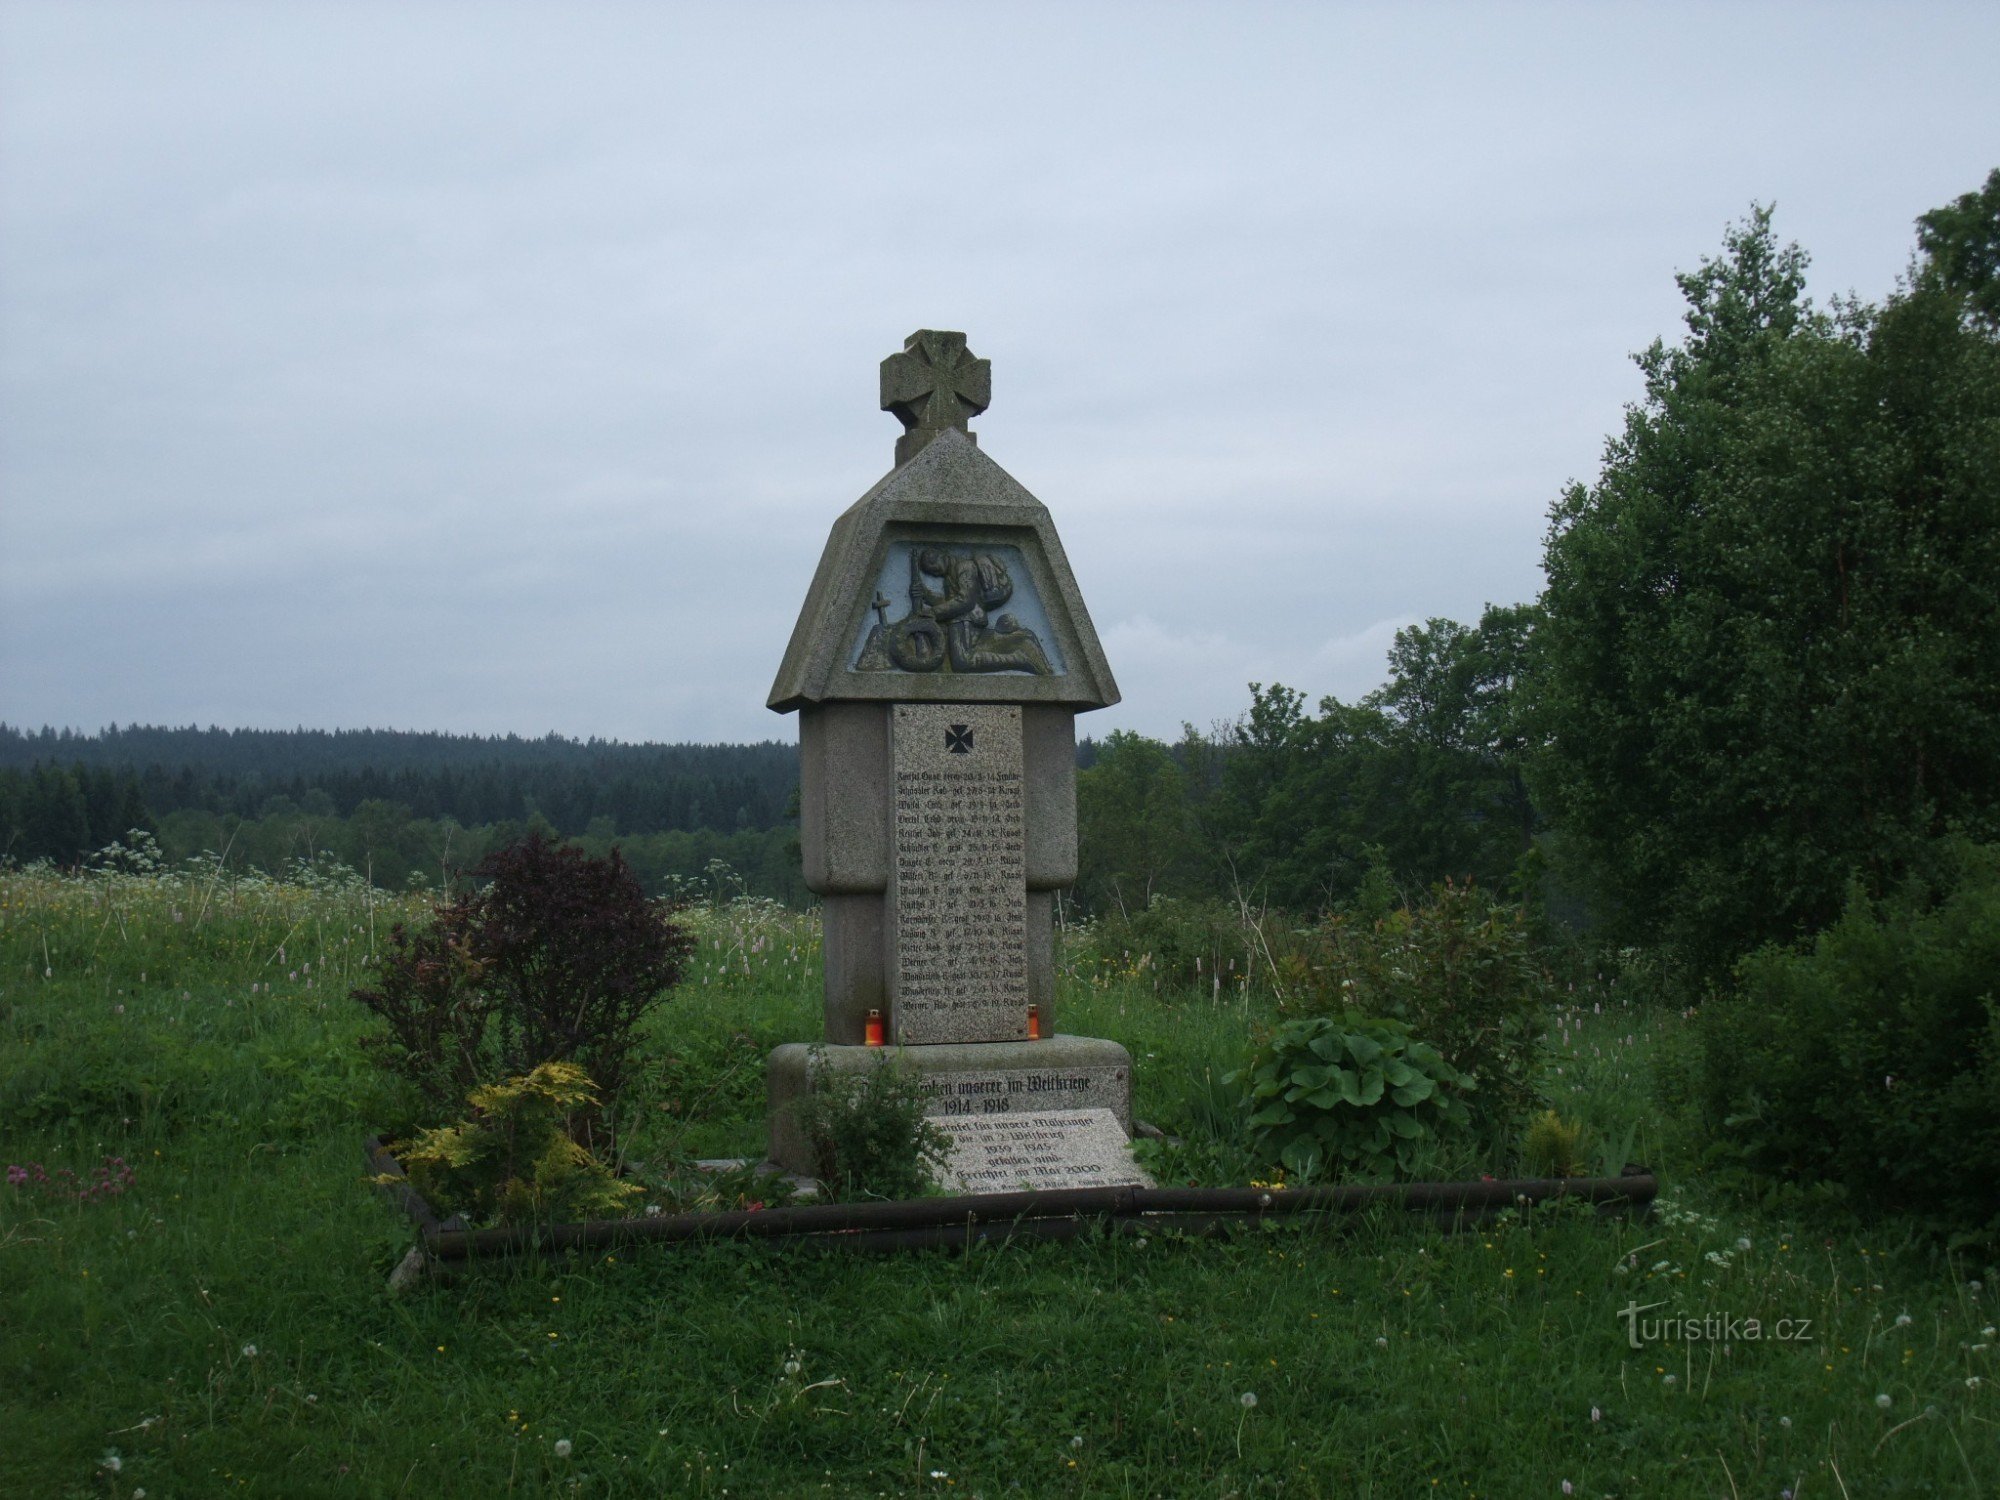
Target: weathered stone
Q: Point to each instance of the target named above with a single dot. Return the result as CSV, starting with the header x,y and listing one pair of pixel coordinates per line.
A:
x,y
957,884
1048,765
1073,1149
953,498
934,384
1058,1073
937,666
844,797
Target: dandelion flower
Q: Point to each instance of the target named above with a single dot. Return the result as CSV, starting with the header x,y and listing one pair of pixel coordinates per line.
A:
x,y
1077,1441
791,1367
1786,1423
1670,1380
111,1462
1568,1488
1381,1343
1902,1320
249,1351
1743,1242
1596,1415
562,1448
1249,1399
1972,1382
1885,1401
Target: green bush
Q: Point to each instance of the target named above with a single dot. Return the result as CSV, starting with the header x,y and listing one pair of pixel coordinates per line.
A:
x,y
868,1132
1870,1060
513,1161
1460,972
1360,1095
557,957
1553,1146
1175,944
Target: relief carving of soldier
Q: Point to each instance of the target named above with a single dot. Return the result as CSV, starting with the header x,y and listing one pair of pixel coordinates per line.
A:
x,y
948,627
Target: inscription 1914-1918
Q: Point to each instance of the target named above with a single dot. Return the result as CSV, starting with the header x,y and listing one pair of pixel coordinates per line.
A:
x,y
958,867
1011,1093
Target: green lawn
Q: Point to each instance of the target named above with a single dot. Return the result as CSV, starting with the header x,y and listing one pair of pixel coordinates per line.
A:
x,y
224,1325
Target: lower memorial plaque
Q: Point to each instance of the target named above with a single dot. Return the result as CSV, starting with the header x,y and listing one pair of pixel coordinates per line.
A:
x,y
1066,1149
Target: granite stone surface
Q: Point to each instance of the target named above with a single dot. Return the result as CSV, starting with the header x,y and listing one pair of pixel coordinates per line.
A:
x,y
1072,1149
968,1080
957,927
953,499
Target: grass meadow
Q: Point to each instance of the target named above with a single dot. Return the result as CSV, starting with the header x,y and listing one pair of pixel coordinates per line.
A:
x,y
200,1307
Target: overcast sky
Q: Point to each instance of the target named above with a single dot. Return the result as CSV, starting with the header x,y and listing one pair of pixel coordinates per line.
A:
x,y
492,368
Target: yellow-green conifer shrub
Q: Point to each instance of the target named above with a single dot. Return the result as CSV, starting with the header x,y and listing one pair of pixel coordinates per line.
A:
x,y
1553,1146
514,1161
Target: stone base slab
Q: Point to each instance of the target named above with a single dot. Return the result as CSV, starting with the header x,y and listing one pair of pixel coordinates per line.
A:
x,y
964,1079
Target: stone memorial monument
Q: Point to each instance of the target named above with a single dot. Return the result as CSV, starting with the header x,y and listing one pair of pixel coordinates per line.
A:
x,y
937,668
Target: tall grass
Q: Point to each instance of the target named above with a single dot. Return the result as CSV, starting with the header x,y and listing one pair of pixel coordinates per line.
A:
x,y
224,1324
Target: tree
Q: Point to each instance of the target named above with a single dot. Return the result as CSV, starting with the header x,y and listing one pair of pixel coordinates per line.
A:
x,y
1133,838
1961,247
1769,653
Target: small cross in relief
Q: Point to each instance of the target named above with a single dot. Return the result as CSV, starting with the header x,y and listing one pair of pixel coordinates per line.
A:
x,y
958,739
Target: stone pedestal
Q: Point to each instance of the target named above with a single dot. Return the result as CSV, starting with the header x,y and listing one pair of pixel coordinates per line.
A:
x,y
895,844
968,1080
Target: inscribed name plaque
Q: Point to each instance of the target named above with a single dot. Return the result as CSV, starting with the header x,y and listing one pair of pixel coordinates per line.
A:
x,y
1014,1091
957,874
1076,1148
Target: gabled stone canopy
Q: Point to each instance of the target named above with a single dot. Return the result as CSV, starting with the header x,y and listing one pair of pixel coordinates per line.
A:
x,y
948,498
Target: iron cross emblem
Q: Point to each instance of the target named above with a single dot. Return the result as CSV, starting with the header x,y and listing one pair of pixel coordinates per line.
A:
x,y
958,739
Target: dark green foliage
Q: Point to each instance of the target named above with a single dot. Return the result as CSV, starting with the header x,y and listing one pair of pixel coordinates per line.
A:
x,y
869,1135
1427,770
1349,1096
680,1185
1176,944
1961,245
471,779
401,808
556,958
1134,829
62,813
1769,658
1462,973
1871,1059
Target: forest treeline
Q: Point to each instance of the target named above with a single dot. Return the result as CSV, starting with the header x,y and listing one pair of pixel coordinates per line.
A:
x,y
473,779
403,807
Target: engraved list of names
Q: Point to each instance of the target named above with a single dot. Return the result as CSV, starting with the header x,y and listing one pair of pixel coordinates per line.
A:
x,y
958,925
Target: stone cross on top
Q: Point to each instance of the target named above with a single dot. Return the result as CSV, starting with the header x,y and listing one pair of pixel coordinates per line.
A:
x,y
933,384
